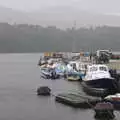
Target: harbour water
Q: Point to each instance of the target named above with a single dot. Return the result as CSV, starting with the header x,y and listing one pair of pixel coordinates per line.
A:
x,y
19,79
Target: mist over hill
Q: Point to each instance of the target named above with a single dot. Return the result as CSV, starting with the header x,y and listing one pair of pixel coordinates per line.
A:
x,y
35,38
61,16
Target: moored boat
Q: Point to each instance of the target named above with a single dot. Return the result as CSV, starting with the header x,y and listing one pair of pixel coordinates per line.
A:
x,y
99,79
98,76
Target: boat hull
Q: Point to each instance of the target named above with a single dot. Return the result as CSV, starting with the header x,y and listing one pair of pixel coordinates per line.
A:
x,y
105,83
99,87
94,91
72,78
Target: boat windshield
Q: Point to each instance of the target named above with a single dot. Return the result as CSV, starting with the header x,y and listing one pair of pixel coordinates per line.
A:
x,y
102,68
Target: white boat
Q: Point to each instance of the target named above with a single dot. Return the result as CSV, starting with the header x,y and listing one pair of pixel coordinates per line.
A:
x,y
98,76
113,98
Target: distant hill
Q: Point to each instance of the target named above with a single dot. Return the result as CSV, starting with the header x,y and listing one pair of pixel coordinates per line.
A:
x,y
35,38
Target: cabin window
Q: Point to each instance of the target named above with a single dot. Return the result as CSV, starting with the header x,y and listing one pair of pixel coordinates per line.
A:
x,y
103,68
92,69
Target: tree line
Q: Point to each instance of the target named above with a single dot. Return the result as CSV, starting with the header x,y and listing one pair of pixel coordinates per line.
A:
x,y
35,38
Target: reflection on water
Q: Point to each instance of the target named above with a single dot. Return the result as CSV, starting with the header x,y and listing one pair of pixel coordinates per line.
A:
x,y
19,79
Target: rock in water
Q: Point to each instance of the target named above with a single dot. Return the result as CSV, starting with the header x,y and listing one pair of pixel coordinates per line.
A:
x,y
44,90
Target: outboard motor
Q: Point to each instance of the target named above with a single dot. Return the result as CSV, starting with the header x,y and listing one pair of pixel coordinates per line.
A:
x,y
111,72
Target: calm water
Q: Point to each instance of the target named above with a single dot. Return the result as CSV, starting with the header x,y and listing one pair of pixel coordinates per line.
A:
x,y
19,78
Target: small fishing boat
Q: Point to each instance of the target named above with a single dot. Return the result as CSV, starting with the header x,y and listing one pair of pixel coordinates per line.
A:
x,y
98,80
98,76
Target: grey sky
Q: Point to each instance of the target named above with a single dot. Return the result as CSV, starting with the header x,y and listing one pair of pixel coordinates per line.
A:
x,y
101,6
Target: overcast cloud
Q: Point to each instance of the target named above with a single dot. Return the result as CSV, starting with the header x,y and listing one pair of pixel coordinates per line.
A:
x,y
101,6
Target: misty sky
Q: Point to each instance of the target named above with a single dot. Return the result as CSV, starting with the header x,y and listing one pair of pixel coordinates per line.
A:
x,y
101,6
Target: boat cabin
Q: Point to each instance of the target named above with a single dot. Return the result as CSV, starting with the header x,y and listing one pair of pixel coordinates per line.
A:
x,y
97,72
97,68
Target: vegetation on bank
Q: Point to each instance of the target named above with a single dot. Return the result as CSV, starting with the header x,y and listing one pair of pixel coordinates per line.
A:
x,y
35,38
